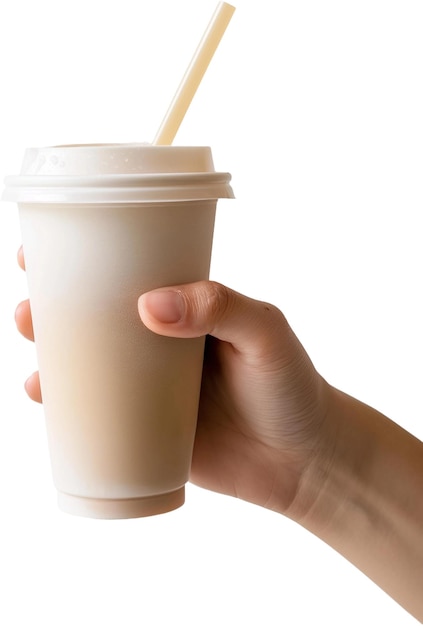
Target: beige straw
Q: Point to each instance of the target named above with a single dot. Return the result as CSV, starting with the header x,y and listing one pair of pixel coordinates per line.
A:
x,y
195,72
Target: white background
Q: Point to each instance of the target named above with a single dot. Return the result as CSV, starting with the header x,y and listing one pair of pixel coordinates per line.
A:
x,y
315,107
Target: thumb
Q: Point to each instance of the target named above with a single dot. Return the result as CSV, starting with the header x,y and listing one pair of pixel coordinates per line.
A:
x,y
209,308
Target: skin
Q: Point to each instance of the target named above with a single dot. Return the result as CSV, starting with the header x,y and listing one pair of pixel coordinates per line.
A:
x,y
273,432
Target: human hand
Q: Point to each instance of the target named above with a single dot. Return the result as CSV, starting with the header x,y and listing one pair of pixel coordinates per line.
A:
x,y
262,403
262,406
271,431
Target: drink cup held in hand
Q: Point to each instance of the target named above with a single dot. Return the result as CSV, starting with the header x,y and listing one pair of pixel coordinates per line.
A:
x,y
100,225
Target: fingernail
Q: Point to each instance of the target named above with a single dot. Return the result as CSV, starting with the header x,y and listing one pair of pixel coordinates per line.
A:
x,y
27,384
166,306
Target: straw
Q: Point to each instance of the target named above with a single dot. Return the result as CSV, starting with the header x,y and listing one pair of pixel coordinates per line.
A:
x,y
194,73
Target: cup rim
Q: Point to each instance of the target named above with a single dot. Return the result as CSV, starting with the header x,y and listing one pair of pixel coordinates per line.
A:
x,y
117,188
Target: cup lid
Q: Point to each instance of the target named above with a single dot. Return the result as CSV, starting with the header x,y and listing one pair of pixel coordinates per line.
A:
x,y
98,173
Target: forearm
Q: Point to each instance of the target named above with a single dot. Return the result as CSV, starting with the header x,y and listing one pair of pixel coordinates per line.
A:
x,y
364,497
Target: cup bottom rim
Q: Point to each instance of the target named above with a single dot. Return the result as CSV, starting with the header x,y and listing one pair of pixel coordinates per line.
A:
x,y
125,508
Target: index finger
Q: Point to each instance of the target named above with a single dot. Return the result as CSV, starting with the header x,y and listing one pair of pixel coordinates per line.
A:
x,y
21,259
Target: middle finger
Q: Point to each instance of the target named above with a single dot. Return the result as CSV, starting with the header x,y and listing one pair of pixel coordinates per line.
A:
x,y
23,319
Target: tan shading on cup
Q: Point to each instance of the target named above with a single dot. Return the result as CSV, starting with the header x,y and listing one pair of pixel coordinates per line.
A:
x,y
100,225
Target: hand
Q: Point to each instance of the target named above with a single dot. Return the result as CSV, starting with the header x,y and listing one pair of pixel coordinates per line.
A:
x,y
262,403
271,431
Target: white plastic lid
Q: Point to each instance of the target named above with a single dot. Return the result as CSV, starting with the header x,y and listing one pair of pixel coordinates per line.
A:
x,y
99,173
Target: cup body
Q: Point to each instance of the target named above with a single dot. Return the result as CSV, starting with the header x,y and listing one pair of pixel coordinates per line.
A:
x,y
120,402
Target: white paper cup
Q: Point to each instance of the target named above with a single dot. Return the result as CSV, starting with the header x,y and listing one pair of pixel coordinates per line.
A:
x,y
102,224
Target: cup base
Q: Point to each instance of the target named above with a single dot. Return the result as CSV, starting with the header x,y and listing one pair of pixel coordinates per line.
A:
x,y
99,508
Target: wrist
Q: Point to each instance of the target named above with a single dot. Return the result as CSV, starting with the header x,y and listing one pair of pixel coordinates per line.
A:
x,y
362,495
339,467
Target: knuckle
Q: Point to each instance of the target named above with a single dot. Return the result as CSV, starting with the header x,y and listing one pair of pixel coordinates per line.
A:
x,y
276,314
215,304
